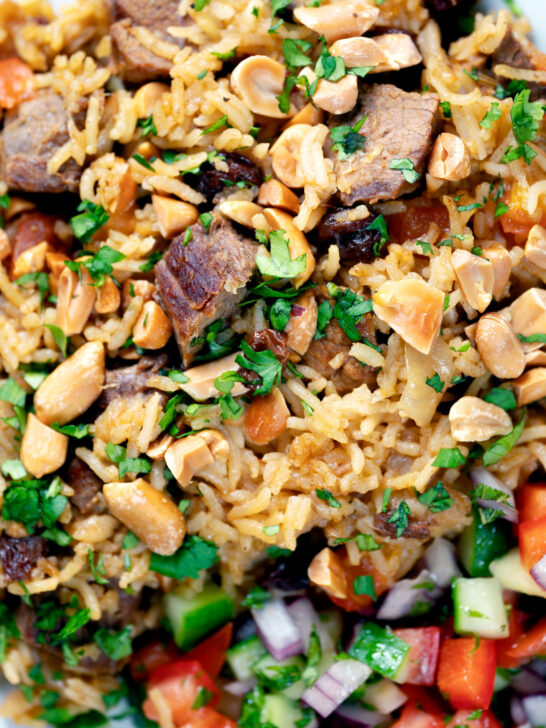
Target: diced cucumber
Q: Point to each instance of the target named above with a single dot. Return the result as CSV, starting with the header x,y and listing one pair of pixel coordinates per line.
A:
x,y
193,616
480,543
513,575
242,656
281,677
332,621
384,696
380,649
502,680
282,712
479,608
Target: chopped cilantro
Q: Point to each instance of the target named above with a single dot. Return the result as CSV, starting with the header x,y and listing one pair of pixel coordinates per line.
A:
x,y
118,454
380,225
425,247
449,457
97,567
349,308
256,598
149,265
98,265
437,499
363,585
224,56
199,5
501,208
40,279
279,264
386,499
400,518
502,397
91,219
59,337
446,109
435,382
514,87
347,139
407,168
147,125
116,645
264,363
533,339
492,115
279,314
294,52
218,124
78,432
325,495
193,556
276,552
503,445
206,220
526,118
329,67
473,73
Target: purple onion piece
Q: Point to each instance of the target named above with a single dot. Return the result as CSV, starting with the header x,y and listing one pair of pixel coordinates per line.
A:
x,y
440,560
482,476
240,688
305,617
516,711
538,572
277,630
508,512
528,682
535,709
403,596
335,685
358,717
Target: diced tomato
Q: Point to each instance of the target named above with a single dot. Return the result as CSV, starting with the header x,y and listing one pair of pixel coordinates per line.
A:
x,y
16,82
209,718
517,220
423,697
474,719
466,674
423,656
356,602
516,624
532,541
531,500
150,657
414,717
531,644
180,683
416,219
211,653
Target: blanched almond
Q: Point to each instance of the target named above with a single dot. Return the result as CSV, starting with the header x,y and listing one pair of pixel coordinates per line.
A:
x,y
530,387
285,153
334,97
152,329
400,50
326,571
201,378
473,420
73,386
476,278
343,19
55,261
133,287
108,297
308,114
149,514
43,450
274,194
259,81
297,242
186,457
413,309
5,245
499,347
266,417
359,51
302,324
528,312
500,259
173,216
449,158
241,211
75,300
32,260
147,96
535,359
535,247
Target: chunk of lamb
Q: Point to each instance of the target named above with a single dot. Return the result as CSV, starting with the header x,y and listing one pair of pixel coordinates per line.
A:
x,y
517,51
33,133
205,279
136,63
399,125
351,373
85,484
132,380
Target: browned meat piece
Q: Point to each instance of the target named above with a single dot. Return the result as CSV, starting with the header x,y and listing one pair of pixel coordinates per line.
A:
x,y
352,373
205,279
135,63
415,529
125,611
130,381
399,125
85,484
20,555
32,133
352,236
517,51
241,169
442,6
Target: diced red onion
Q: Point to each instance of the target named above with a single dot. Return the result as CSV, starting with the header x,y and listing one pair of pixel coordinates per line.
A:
x,y
240,688
356,715
482,476
335,685
538,572
404,595
277,630
535,709
516,711
528,682
305,617
441,562
538,666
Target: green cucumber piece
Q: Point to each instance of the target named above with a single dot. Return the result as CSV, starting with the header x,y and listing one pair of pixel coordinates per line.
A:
x,y
380,649
283,712
513,575
243,655
479,608
332,621
481,543
281,677
193,616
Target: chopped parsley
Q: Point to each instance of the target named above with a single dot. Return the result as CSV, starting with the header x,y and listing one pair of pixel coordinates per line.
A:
x,y
503,445
533,339
150,264
325,495
513,88
294,51
147,125
380,225
256,598
99,266
264,363
363,585
449,457
230,409
78,432
425,247
493,114
279,264
446,109
348,309
116,645
59,337
437,499
279,314
224,56
501,397
407,167
435,382
400,518
526,118
97,569
41,280
91,219
218,124
118,455
30,501
347,139
193,556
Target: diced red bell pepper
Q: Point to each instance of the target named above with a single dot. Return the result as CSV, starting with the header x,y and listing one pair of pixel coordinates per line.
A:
x,y
415,717
531,501
423,656
532,541
16,82
474,719
211,653
516,624
180,683
150,657
530,644
466,674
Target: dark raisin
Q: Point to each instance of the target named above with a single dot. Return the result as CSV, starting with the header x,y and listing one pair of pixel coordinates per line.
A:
x,y
20,555
353,237
415,529
241,169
